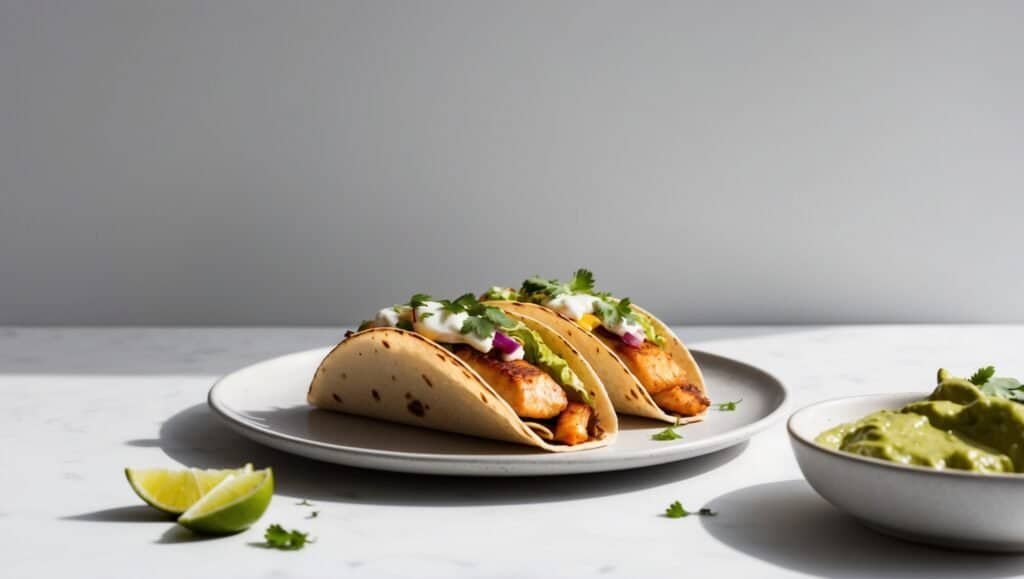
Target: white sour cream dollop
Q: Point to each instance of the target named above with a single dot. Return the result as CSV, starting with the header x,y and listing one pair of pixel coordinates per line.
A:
x,y
442,326
575,306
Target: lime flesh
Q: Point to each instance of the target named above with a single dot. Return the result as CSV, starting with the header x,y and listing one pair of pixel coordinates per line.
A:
x,y
174,491
233,505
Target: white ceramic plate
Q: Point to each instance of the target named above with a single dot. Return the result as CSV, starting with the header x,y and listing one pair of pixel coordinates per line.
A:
x,y
949,508
267,403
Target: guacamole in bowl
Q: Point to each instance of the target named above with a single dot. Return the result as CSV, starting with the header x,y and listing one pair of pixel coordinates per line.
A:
x,y
974,424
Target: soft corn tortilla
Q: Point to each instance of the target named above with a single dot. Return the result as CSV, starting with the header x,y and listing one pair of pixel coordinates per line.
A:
x,y
400,376
627,393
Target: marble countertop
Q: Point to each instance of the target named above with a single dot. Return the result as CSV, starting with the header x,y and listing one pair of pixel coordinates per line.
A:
x,y
81,404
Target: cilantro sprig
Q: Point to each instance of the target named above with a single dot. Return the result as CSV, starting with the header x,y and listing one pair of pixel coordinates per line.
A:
x,y
279,538
727,406
667,434
983,375
999,386
677,511
582,282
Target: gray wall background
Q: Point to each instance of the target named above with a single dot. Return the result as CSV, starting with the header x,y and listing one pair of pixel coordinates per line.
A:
x,y
264,162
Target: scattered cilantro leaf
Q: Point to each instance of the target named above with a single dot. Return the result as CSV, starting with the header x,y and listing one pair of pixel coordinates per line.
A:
x,y
304,503
728,406
425,315
983,375
667,434
677,511
279,538
582,281
313,515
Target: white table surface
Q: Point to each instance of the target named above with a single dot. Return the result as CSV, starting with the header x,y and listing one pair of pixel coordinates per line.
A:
x,y
80,404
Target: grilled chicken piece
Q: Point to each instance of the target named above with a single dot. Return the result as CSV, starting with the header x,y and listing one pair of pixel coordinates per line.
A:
x,y
685,400
530,391
572,424
654,366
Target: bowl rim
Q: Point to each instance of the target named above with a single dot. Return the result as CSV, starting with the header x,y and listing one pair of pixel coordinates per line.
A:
x,y
877,462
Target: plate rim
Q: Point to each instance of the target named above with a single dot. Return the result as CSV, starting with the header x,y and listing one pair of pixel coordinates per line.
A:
x,y
684,451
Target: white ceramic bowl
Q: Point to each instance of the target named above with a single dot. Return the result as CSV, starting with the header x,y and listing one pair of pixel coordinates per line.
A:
x,y
950,508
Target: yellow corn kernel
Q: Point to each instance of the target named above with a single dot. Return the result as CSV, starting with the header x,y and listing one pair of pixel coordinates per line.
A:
x,y
589,322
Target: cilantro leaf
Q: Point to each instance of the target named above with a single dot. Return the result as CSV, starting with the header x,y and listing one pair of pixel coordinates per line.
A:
x,y
425,315
983,375
279,538
313,515
539,289
501,293
482,327
498,317
582,281
460,305
727,406
667,434
677,511
418,300
608,313
1009,388
304,503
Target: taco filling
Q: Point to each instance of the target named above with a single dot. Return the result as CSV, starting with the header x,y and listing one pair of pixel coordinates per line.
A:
x,y
628,332
513,359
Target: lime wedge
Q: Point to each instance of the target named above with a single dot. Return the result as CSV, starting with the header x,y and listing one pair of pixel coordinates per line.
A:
x,y
233,505
174,491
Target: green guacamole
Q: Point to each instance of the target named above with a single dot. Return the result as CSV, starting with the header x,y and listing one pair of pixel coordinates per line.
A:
x,y
957,427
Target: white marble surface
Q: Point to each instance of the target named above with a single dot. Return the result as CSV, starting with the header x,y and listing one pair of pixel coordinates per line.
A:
x,y
80,404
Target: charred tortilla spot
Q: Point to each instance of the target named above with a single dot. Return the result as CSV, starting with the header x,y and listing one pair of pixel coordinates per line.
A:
x,y
386,344
336,397
483,397
376,395
394,378
441,356
468,375
408,395
427,380
427,406
416,407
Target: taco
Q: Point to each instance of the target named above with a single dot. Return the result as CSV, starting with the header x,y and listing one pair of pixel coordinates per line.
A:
x,y
462,366
645,368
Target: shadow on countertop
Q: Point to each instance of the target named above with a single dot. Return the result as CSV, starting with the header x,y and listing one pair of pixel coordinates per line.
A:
x,y
196,437
787,524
